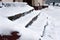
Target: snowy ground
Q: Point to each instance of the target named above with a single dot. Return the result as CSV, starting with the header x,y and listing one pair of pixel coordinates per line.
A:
x,y
54,13
7,26
45,27
15,10
26,19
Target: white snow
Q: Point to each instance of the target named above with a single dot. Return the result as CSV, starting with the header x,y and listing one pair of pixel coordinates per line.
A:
x,y
0,3
27,34
26,19
6,26
15,4
52,30
38,25
11,11
48,15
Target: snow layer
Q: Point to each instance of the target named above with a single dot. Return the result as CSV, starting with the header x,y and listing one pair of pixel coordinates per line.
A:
x,y
38,25
35,31
52,30
7,26
11,11
26,34
15,4
26,19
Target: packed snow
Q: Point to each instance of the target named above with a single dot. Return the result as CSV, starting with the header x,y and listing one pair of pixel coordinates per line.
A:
x,y
45,27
